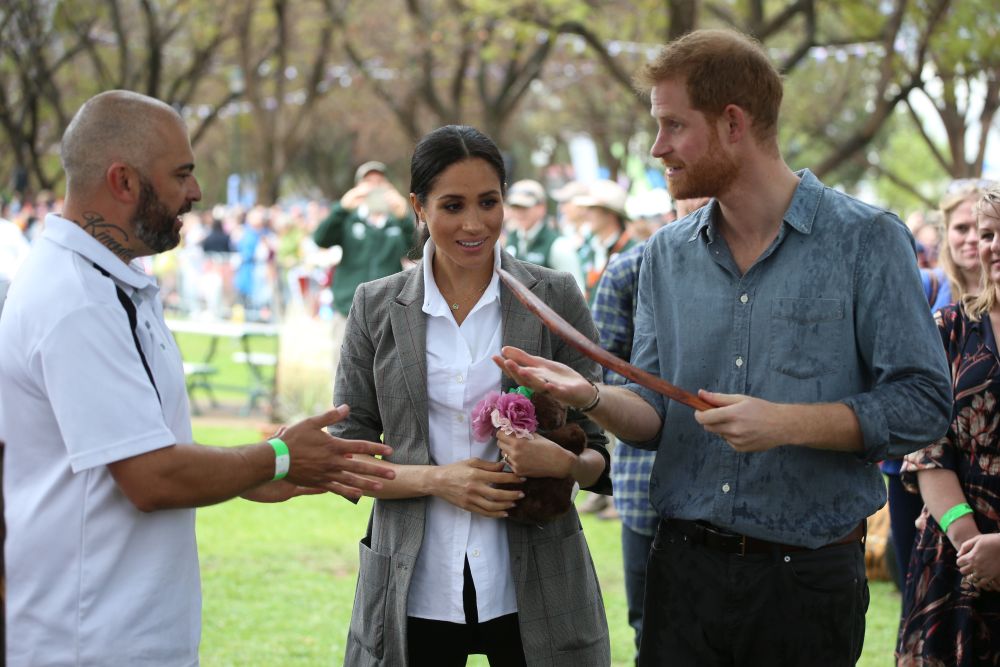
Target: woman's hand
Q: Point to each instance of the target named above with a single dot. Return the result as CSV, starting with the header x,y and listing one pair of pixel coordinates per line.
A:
x,y
979,560
469,484
537,457
539,374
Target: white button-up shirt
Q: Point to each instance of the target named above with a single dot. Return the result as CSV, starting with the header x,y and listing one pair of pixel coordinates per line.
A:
x,y
460,372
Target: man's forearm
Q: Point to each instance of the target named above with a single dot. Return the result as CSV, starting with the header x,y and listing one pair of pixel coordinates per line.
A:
x,y
823,426
192,475
625,414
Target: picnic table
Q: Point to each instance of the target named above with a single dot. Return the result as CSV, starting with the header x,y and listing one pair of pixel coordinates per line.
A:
x,y
258,353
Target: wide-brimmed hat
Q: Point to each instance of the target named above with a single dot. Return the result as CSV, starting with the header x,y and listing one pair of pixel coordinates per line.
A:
x,y
570,190
367,168
605,194
526,194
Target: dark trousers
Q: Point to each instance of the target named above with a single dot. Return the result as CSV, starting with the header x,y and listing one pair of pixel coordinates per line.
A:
x,y
635,554
904,508
705,607
443,644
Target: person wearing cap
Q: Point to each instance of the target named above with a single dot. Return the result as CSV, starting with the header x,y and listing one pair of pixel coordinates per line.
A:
x,y
605,211
533,239
373,227
650,211
572,220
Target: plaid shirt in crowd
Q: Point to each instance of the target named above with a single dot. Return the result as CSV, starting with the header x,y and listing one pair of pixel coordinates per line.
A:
x,y
613,312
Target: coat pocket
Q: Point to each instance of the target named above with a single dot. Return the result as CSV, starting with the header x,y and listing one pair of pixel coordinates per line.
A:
x,y
368,616
570,593
805,336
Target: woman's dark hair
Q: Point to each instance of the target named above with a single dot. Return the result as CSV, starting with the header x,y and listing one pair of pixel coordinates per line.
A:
x,y
440,149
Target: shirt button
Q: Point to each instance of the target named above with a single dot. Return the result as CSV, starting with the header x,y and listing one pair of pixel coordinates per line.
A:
x,y
460,418
744,298
459,378
475,553
725,487
148,326
739,362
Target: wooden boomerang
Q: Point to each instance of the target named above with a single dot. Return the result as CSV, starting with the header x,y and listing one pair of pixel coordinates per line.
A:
x,y
566,331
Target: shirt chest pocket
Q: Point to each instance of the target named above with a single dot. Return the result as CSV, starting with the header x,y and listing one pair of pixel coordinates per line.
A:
x,y
805,336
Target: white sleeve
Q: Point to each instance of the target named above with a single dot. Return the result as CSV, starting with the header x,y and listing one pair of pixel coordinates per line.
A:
x,y
563,257
101,398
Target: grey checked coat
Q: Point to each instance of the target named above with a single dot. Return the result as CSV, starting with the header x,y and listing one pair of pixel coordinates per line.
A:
x,y
383,377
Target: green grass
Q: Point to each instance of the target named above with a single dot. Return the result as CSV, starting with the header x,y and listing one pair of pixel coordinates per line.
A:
x,y
278,580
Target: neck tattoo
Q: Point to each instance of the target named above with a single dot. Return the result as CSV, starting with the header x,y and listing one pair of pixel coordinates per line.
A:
x,y
108,234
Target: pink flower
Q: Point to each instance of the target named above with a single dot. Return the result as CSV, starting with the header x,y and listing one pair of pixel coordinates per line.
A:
x,y
482,421
519,411
512,413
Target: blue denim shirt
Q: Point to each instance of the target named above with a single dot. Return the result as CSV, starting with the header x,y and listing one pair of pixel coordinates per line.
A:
x,y
832,311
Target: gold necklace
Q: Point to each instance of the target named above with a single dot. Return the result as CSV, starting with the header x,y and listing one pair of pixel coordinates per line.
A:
x,y
454,306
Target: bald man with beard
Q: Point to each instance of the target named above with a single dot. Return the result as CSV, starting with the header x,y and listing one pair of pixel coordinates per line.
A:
x,y
100,476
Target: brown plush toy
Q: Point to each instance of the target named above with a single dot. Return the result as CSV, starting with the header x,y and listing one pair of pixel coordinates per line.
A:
x,y
546,498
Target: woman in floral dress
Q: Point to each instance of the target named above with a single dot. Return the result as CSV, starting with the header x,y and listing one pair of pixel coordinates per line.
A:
x,y
951,604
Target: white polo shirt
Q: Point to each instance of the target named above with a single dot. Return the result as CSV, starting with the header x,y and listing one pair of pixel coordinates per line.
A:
x,y
91,580
460,372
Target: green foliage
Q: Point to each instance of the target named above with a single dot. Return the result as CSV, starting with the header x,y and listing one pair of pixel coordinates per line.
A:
x,y
526,72
969,41
907,157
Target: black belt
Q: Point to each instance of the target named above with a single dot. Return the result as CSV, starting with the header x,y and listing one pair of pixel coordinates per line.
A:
x,y
705,534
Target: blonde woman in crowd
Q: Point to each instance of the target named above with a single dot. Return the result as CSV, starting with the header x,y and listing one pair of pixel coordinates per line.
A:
x,y
951,604
959,259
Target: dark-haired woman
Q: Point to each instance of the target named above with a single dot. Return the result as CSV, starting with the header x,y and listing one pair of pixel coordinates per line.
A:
x,y
951,604
443,575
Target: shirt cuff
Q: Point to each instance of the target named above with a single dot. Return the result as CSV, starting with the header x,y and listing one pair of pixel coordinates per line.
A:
x,y
656,401
874,427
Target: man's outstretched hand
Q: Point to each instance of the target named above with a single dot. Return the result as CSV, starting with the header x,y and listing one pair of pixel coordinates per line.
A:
x,y
321,461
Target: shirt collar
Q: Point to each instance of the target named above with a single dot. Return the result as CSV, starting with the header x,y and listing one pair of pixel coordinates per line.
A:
x,y
434,301
801,212
703,219
71,236
800,215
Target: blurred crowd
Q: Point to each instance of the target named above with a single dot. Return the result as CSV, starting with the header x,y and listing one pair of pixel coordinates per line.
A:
x,y
308,256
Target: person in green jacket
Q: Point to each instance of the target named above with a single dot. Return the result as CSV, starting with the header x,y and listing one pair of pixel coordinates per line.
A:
x,y
532,238
605,212
373,227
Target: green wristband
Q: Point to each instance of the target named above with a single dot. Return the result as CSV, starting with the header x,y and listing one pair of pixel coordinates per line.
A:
x,y
955,512
282,460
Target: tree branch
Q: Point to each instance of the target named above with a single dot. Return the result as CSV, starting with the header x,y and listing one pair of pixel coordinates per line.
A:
x,y
938,157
